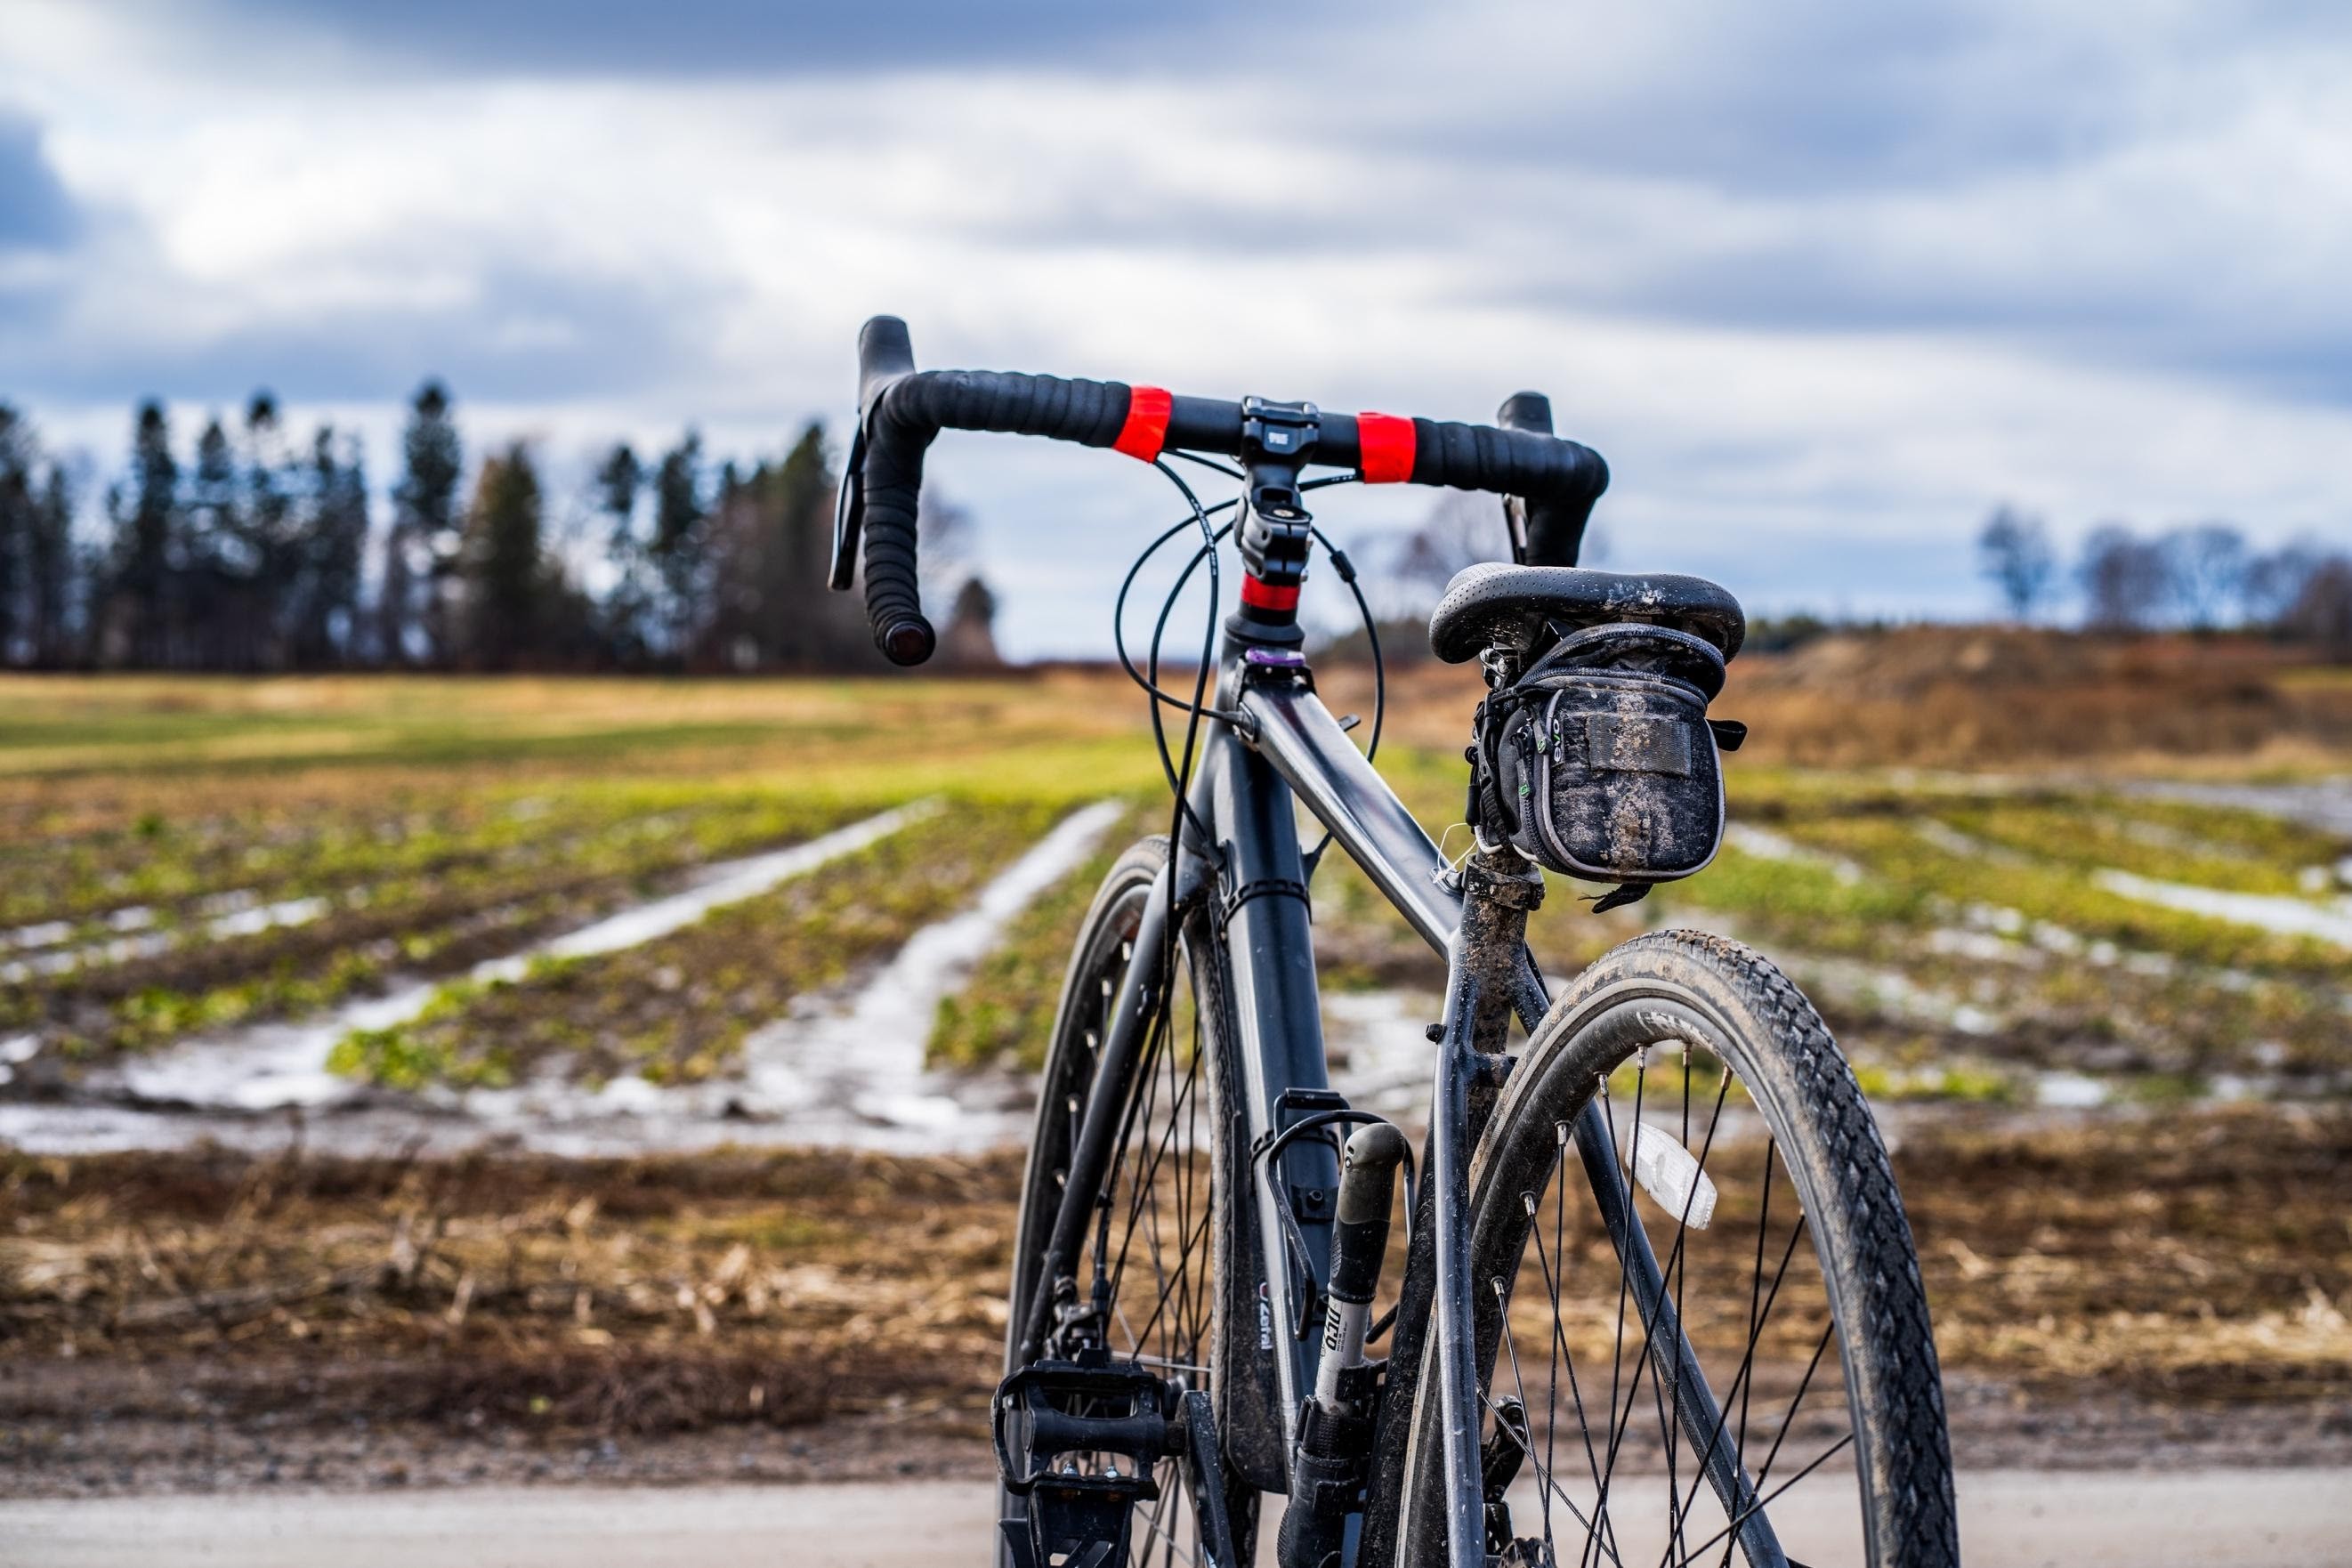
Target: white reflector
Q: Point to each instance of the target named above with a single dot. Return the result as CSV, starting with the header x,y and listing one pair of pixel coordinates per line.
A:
x,y
1667,1173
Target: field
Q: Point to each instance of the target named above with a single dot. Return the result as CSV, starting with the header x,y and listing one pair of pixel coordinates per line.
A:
x,y
456,1052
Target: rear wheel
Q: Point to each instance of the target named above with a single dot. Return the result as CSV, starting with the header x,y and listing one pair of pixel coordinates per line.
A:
x,y
1167,1229
1763,1191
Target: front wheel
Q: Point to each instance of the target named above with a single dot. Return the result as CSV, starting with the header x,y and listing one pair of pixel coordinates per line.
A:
x,y
1807,1424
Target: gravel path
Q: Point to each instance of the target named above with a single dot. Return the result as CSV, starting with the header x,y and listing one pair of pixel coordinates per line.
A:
x,y
2010,1518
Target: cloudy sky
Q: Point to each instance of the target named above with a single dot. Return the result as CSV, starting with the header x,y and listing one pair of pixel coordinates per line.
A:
x,y
1825,281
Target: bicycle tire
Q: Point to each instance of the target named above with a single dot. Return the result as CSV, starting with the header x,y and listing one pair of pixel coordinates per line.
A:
x,y
1709,997
1215,1316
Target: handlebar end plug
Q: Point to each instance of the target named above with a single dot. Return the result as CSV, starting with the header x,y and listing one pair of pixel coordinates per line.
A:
x,y
908,641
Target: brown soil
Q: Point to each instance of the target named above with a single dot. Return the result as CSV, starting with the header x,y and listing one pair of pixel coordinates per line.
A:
x,y
210,1318
1977,697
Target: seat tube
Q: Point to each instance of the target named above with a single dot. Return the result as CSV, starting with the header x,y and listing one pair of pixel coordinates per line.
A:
x,y
1483,962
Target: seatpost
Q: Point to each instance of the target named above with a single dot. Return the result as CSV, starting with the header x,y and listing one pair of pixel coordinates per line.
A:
x,y
1274,530
1483,964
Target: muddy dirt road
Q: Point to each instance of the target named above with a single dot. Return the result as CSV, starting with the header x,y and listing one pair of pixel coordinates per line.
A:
x,y
2283,1518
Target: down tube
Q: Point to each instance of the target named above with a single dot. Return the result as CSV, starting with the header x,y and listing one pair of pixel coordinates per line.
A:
x,y
1281,1025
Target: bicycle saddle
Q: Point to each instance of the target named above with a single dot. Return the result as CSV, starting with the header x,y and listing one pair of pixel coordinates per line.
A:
x,y
1496,604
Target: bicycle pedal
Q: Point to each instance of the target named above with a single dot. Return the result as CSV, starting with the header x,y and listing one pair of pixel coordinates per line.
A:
x,y
1079,1443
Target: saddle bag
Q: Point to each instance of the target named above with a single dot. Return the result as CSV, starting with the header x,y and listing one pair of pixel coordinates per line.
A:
x,y
1600,761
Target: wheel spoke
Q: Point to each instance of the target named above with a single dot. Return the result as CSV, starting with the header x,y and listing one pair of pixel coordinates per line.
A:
x,y
1743,1381
1745,1515
1518,1384
1591,1531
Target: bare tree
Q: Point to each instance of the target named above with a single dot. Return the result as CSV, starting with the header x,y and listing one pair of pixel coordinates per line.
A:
x,y
2274,580
2205,573
2015,553
2124,579
1461,529
2322,612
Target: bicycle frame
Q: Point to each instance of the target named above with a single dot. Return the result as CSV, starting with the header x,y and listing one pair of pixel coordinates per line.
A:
x,y
1287,750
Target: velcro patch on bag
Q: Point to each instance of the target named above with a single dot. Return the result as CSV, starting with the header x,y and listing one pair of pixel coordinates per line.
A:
x,y
1633,744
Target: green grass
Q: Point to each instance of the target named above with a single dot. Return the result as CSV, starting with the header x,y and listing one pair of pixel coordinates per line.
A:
x,y
447,821
1004,1011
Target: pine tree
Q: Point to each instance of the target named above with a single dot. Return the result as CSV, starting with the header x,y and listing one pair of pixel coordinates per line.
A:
x,y
505,575
49,573
807,625
145,521
226,615
331,542
19,518
679,541
421,547
627,617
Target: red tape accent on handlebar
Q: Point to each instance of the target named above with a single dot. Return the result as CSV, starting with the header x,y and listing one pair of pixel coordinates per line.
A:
x,y
1147,422
1260,595
1387,444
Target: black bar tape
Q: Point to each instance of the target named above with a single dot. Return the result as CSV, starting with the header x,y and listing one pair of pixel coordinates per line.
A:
x,y
904,409
1558,479
907,416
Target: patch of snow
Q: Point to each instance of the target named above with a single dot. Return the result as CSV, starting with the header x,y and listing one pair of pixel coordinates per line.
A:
x,y
2330,921
1984,947
242,917
42,933
270,1065
2068,1092
729,882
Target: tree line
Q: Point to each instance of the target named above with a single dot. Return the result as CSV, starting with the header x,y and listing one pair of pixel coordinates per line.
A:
x,y
259,552
2196,577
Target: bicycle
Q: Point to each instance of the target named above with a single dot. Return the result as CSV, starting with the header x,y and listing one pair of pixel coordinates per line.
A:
x,y
1200,1249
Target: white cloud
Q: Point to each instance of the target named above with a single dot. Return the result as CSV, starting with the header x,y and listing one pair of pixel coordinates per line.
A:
x,y
1840,281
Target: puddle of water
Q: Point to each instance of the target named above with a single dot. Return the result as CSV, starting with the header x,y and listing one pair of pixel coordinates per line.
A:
x,y
2324,804
1378,1049
2330,921
1767,845
855,1075
270,1065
